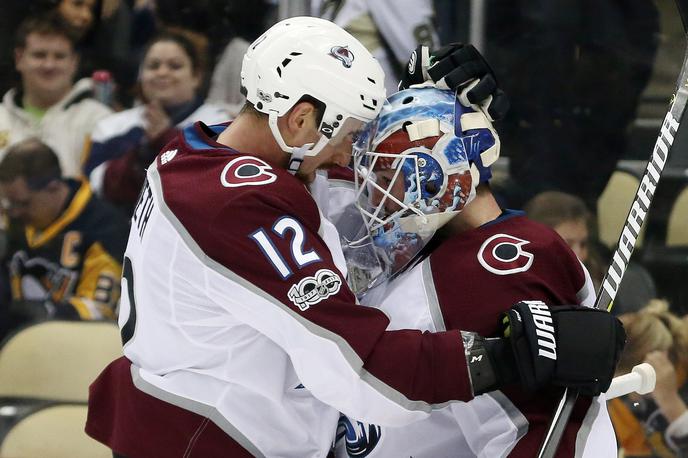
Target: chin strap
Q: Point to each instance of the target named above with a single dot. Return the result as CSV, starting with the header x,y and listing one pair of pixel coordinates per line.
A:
x,y
297,156
296,153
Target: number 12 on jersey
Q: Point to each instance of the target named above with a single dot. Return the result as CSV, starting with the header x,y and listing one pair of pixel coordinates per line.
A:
x,y
281,227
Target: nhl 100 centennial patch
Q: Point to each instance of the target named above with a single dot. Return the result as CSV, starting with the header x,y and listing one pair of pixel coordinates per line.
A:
x,y
311,290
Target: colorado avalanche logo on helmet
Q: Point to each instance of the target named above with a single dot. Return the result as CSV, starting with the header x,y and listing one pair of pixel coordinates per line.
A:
x,y
343,54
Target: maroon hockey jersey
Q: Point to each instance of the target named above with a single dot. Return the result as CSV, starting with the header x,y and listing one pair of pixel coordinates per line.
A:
x,y
465,284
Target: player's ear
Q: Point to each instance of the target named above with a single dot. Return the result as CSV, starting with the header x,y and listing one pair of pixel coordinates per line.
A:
x,y
298,126
301,116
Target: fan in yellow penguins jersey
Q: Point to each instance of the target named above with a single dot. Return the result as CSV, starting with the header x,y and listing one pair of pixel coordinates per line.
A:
x,y
64,245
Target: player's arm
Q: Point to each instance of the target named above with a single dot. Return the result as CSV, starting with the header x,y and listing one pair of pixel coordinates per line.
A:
x,y
291,290
295,295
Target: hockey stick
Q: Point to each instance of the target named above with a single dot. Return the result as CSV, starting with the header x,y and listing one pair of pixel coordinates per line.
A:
x,y
641,380
629,233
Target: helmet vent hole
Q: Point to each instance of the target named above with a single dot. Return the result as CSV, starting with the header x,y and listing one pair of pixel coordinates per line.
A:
x,y
365,105
371,80
295,53
405,125
285,62
259,105
407,100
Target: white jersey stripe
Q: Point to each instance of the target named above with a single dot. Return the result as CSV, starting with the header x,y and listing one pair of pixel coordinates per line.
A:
x,y
515,415
584,431
586,296
596,437
431,293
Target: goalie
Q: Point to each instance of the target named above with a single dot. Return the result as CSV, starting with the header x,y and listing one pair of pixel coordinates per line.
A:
x,y
448,257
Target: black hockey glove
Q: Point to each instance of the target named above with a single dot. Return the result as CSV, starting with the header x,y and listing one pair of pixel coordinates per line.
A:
x,y
460,68
568,346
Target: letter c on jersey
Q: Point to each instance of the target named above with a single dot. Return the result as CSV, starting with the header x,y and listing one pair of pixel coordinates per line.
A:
x,y
246,171
503,254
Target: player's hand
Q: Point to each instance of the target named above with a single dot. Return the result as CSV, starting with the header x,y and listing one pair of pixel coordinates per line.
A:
x,y
460,68
569,346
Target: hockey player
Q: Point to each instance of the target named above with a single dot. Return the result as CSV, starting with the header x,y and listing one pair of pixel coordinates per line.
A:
x,y
419,161
241,336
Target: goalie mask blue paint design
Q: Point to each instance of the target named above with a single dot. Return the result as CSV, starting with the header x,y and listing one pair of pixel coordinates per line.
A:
x,y
416,167
426,103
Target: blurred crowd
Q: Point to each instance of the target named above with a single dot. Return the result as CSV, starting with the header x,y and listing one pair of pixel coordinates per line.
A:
x,y
93,89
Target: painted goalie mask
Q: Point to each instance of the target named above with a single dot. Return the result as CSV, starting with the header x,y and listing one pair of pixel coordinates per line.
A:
x,y
416,167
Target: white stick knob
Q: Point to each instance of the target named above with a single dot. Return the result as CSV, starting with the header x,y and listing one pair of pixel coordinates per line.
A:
x,y
641,380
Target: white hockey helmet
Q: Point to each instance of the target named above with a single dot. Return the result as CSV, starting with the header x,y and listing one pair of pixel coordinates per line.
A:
x,y
307,56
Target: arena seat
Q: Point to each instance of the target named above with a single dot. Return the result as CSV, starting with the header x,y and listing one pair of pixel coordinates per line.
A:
x,y
613,206
57,360
677,225
52,432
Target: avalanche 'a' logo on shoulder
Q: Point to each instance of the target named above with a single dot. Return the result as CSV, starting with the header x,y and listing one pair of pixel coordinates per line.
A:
x,y
246,171
503,254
